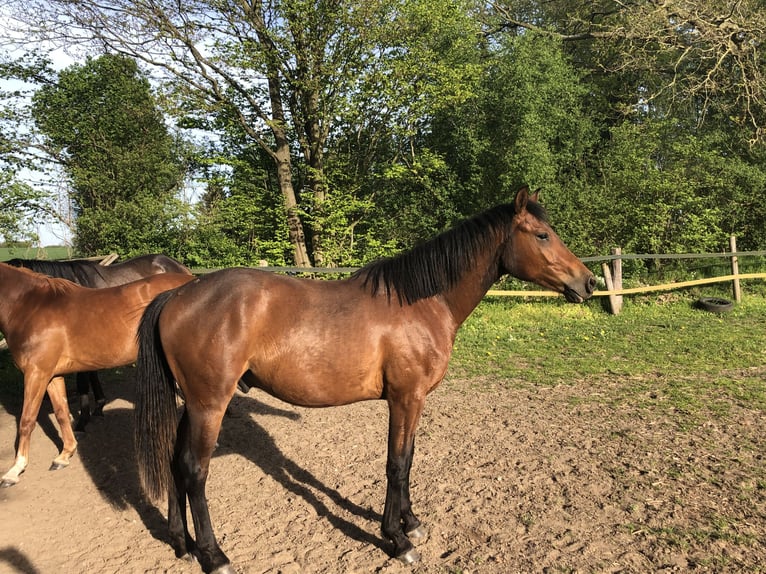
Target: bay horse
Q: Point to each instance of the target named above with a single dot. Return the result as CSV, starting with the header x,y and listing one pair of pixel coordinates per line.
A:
x,y
89,273
386,332
54,327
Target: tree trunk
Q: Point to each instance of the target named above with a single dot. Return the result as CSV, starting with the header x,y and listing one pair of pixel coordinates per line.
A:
x,y
281,152
294,223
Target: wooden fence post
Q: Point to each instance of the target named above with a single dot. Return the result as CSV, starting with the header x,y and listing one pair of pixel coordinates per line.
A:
x,y
617,278
735,269
614,307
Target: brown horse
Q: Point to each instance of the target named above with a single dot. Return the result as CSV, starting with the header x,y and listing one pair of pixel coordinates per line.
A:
x,y
386,333
89,273
54,327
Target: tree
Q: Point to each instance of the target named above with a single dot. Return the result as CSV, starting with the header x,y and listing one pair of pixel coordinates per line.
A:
x,y
282,72
700,56
19,205
21,151
239,217
102,123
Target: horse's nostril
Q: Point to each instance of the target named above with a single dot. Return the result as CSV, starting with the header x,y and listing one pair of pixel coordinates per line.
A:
x,y
591,286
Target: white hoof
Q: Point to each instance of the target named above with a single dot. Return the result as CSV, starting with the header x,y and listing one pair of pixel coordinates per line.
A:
x,y
410,557
418,535
8,482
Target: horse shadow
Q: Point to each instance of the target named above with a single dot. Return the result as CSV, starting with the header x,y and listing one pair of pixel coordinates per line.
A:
x,y
261,449
116,474
17,561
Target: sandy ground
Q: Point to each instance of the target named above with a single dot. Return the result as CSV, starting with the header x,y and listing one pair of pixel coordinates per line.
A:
x,y
551,480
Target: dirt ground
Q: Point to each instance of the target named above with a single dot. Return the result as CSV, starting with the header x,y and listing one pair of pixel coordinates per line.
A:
x,y
507,480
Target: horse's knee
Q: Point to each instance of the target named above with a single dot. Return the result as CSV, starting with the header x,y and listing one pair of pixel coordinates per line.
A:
x,y
26,426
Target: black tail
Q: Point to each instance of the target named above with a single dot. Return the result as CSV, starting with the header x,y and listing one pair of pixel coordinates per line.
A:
x,y
156,410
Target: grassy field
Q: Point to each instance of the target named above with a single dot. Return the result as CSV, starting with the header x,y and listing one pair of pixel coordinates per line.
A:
x,y
7,253
661,345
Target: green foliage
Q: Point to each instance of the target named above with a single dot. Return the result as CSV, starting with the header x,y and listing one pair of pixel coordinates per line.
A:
x,y
535,113
19,204
101,119
401,116
240,218
666,202
413,202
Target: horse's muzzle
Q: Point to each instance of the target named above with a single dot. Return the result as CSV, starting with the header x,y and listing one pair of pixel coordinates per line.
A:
x,y
574,296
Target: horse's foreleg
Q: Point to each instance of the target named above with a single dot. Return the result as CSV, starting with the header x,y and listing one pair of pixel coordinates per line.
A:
x,y
413,528
34,390
398,517
57,394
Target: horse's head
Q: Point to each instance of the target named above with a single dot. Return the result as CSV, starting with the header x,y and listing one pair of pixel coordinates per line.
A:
x,y
535,253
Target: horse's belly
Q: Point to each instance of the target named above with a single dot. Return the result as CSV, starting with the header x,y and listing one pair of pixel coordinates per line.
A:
x,y
316,389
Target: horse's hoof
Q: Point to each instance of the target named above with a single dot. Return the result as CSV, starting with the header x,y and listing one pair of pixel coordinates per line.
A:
x,y
410,557
418,534
188,557
58,465
225,569
8,482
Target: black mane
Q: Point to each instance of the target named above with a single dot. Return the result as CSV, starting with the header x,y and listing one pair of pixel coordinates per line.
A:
x,y
438,264
76,271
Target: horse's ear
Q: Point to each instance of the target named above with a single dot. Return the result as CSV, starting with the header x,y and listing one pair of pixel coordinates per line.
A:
x,y
535,196
522,196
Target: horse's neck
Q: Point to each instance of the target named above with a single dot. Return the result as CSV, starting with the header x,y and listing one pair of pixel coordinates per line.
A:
x,y
464,297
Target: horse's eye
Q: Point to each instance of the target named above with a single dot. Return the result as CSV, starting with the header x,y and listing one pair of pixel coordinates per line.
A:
x,y
542,236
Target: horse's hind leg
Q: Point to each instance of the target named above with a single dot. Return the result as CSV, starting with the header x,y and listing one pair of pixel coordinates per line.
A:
x,y
83,393
196,441
57,394
178,530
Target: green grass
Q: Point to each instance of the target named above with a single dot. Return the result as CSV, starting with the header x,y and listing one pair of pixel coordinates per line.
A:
x,y
663,344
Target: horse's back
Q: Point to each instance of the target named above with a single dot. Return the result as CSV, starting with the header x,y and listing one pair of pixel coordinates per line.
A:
x,y
99,326
152,264
140,267
134,294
